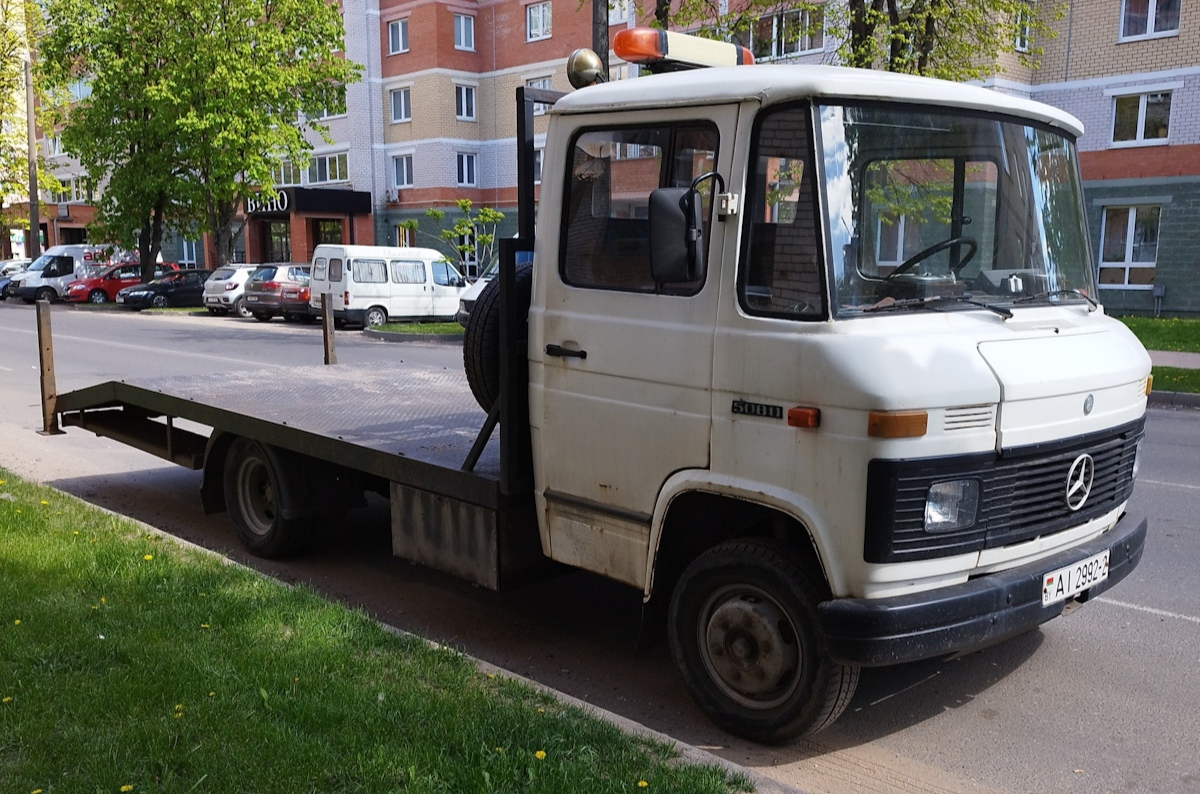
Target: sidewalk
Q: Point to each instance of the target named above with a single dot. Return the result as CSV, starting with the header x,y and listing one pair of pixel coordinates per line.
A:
x,y
1169,399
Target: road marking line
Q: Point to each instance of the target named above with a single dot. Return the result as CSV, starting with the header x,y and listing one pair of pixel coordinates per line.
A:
x,y
1171,484
1150,610
902,691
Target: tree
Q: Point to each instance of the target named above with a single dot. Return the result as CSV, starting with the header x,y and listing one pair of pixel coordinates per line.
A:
x,y
939,38
191,102
472,236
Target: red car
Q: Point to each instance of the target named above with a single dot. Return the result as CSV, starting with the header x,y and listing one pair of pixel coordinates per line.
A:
x,y
104,287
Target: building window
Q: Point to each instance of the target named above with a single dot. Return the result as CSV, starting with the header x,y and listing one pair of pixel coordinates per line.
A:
x,y
73,190
620,12
187,253
539,108
397,36
1024,18
1128,247
338,108
327,231
1143,19
788,33
464,102
464,32
1141,118
327,168
402,171
401,105
53,145
537,21
466,169
404,236
285,174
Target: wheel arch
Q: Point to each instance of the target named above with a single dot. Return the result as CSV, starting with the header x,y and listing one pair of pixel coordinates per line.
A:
x,y
695,515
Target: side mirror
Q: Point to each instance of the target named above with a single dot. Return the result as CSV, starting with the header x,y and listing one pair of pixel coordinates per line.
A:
x,y
676,250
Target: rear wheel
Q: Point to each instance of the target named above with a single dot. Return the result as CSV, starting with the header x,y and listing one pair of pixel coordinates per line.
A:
x,y
239,308
262,318
97,296
253,497
160,302
376,315
744,634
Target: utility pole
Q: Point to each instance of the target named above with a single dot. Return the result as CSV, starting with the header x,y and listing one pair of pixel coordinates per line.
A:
x,y
600,32
32,247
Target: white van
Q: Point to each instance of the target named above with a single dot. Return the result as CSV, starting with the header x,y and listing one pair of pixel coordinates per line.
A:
x,y
371,285
47,278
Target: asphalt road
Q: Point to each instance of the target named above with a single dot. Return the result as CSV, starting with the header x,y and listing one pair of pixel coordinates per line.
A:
x,y
1104,700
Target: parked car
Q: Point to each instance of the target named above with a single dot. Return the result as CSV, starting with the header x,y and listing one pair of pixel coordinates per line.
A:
x,y
279,289
105,286
5,283
178,288
224,290
466,301
48,275
9,267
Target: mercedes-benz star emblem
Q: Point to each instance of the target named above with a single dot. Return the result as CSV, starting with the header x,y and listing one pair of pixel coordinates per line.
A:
x,y
1087,404
1079,481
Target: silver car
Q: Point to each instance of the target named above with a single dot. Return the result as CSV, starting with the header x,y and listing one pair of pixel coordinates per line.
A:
x,y
224,290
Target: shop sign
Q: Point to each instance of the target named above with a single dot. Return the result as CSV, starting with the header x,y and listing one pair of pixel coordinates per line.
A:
x,y
258,203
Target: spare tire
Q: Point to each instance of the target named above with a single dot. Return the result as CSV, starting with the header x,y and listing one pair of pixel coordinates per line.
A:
x,y
481,340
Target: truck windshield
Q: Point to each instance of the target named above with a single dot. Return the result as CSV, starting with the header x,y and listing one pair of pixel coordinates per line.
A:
x,y
930,210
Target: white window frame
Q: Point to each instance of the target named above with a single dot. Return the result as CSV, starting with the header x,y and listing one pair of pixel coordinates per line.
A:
x,y
285,173
1143,94
1151,13
620,12
398,36
404,93
187,251
335,165
803,43
1127,263
402,171
464,102
464,32
466,173
545,83
537,21
1023,24
53,145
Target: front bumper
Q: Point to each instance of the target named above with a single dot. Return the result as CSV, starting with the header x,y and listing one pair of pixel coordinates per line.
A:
x,y
971,615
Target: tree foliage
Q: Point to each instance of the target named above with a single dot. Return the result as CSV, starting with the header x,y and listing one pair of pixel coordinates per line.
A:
x,y
951,39
472,235
191,102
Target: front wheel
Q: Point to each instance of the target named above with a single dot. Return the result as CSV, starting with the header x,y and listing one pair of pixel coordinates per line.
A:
x,y
45,294
376,315
160,302
97,296
744,634
253,497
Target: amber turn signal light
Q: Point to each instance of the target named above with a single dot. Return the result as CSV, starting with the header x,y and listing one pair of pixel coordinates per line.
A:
x,y
897,424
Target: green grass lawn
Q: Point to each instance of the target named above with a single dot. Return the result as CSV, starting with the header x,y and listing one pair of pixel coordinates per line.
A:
x,y
129,663
1162,334
439,329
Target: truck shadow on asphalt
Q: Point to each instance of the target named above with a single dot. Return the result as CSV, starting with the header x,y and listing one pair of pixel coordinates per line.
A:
x,y
575,633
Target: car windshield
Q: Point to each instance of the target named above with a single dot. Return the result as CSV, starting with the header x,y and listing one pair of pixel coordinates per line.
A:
x,y
933,209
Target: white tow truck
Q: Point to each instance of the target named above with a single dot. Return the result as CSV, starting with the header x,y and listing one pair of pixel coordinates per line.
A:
x,y
810,356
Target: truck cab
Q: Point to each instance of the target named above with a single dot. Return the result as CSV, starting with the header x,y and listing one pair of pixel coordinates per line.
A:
x,y
815,362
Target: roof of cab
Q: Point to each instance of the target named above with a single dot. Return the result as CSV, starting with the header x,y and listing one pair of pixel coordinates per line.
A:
x,y
771,83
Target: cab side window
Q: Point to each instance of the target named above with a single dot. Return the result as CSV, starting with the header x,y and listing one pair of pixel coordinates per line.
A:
x,y
779,272
606,225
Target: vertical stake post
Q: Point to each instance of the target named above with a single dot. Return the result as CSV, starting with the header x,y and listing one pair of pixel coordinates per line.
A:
x,y
327,327
46,360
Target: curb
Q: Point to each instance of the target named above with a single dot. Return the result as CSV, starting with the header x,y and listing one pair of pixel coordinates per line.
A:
x,y
1173,399
389,336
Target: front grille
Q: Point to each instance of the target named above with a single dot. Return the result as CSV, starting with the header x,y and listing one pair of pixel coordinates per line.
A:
x,y
1023,495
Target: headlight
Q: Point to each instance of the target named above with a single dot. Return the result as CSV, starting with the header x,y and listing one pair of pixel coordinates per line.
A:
x,y
952,505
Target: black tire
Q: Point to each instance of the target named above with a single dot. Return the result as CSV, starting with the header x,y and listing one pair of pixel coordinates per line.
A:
x,y
262,318
239,308
45,294
160,302
288,317
744,634
481,339
97,296
376,315
253,489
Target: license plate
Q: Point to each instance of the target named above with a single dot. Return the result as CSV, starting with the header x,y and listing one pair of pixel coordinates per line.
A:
x,y
120,299
1074,579
251,299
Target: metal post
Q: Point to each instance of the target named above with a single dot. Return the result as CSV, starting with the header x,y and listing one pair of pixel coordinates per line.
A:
x,y
46,359
33,247
327,327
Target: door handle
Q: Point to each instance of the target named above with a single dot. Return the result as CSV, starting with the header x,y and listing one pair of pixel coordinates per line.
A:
x,y
562,352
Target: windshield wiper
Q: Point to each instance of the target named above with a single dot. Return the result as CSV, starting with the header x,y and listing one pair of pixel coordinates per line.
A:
x,y
934,301
1053,292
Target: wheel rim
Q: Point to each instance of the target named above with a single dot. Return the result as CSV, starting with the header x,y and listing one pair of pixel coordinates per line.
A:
x,y
750,646
97,297
158,302
240,308
256,496
375,317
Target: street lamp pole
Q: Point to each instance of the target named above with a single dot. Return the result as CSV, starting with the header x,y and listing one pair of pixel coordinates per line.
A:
x,y
32,247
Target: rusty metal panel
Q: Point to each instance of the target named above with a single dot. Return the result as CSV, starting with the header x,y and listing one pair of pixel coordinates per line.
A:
x,y
446,534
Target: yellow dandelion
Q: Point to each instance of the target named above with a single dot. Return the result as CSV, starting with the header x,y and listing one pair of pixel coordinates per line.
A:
x,y
75,533
499,749
178,714
642,784
17,622
3,481
148,557
7,699
102,600
540,755
541,711
44,502
491,675
212,694
36,791
203,625
179,707
126,788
